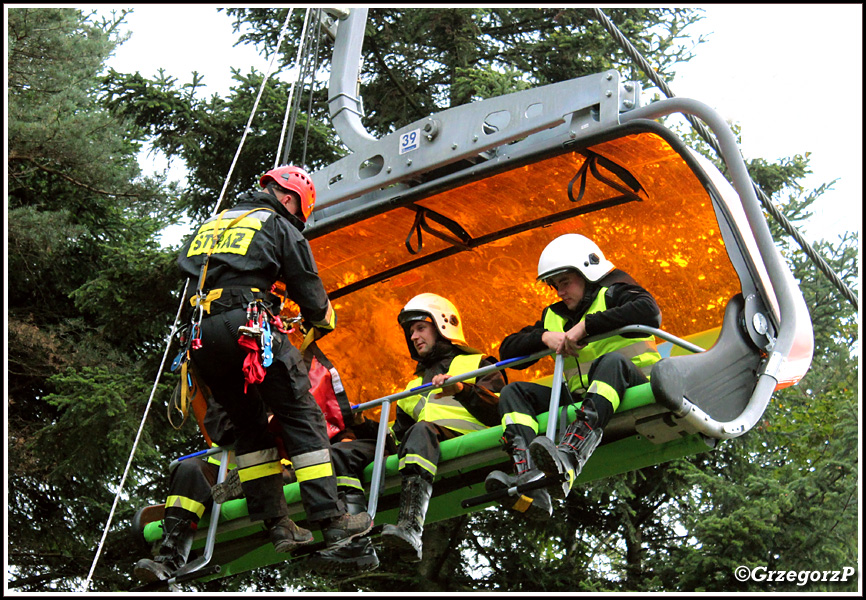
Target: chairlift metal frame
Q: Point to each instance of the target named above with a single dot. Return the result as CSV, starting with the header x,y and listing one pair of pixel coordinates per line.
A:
x,y
474,141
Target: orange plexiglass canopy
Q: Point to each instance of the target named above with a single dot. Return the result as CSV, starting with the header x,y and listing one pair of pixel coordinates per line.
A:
x,y
668,239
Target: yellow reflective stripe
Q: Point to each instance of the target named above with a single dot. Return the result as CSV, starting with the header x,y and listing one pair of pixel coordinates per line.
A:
x,y
516,418
415,459
606,391
314,472
186,504
330,320
352,482
259,471
251,459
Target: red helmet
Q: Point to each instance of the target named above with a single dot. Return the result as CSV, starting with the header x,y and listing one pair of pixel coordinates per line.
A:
x,y
296,180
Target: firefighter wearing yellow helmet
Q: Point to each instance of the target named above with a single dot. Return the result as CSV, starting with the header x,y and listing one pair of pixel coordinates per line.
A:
x,y
595,298
435,339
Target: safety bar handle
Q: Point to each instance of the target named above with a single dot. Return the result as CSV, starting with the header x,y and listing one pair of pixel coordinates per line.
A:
x,y
201,453
510,362
456,379
203,562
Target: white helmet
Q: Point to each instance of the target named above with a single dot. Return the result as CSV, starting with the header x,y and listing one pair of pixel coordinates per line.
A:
x,y
573,251
438,311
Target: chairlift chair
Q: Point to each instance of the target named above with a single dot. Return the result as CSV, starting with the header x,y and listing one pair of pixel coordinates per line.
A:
x,y
461,204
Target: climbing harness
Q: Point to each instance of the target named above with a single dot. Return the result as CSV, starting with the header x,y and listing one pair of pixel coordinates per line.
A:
x,y
190,338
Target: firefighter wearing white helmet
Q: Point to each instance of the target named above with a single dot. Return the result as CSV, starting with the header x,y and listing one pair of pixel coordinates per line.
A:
x,y
573,251
434,335
595,299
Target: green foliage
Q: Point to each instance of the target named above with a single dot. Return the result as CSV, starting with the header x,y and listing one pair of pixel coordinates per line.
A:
x,y
90,297
424,60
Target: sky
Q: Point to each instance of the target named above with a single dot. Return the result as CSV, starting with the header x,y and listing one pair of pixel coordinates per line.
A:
x,y
789,74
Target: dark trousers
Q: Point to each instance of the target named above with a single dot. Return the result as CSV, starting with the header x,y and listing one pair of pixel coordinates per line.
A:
x,y
350,459
419,449
189,489
532,399
285,391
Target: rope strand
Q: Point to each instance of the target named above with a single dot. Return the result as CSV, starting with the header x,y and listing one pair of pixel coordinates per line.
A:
x,y
99,548
704,132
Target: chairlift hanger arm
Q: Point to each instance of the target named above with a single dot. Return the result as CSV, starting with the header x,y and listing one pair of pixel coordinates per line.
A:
x,y
548,115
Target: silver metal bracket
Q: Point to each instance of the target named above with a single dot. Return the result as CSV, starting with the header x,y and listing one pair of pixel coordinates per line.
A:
x,y
758,324
503,128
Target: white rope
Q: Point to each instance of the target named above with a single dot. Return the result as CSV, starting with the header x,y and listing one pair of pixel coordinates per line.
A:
x,y
135,443
292,88
177,316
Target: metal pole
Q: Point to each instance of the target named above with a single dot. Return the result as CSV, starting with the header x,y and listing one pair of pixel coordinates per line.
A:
x,y
555,393
207,554
457,378
378,476
512,362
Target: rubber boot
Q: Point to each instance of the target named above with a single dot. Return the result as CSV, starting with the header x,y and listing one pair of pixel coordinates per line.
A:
x,y
357,556
405,536
176,544
533,504
285,534
579,441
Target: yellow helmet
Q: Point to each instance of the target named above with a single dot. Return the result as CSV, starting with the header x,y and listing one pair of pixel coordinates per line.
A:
x,y
437,310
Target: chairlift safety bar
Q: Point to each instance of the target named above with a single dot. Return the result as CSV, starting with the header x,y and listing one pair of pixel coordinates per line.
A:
x,y
378,476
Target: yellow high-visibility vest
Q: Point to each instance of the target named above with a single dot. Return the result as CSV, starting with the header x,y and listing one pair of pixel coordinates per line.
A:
x,y
447,410
641,351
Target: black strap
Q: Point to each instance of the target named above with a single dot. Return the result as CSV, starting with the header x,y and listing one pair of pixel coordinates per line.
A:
x,y
458,236
591,165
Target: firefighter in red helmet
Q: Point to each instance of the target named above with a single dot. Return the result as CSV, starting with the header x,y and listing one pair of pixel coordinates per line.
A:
x,y
234,259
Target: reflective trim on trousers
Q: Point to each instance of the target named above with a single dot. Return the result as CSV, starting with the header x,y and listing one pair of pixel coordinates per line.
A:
x,y
309,459
313,465
605,391
186,504
516,418
259,471
250,459
350,482
415,459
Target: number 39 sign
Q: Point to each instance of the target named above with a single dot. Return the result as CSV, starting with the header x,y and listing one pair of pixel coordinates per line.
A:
x,y
409,141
